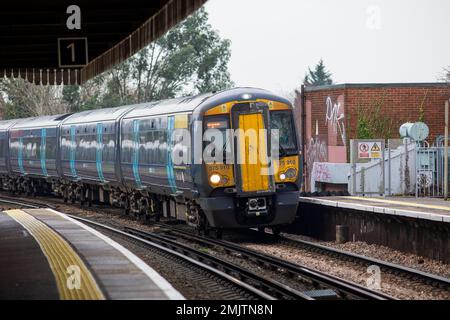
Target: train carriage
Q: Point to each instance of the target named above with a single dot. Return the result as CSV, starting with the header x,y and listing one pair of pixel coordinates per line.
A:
x,y
89,154
148,142
209,194
33,153
4,145
187,158
238,194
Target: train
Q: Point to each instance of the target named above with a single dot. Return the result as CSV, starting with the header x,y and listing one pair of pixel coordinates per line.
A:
x,y
125,157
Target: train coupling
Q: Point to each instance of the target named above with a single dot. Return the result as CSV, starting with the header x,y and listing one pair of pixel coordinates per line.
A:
x,y
257,207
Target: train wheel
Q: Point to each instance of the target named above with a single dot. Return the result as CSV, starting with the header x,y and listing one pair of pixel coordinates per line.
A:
x,y
276,231
90,197
203,227
126,210
217,233
64,195
82,196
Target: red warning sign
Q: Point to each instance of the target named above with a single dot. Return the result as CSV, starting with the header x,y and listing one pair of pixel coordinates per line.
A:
x,y
369,150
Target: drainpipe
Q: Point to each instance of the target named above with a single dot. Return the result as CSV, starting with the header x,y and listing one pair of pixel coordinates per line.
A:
x,y
446,154
303,105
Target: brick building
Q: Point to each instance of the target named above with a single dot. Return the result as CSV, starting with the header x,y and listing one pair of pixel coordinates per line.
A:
x,y
330,116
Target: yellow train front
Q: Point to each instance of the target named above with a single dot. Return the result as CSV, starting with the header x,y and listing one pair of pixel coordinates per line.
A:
x,y
251,161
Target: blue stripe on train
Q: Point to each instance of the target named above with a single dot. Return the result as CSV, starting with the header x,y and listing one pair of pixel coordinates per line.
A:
x,y
73,146
20,156
136,147
99,157
43,151
169,167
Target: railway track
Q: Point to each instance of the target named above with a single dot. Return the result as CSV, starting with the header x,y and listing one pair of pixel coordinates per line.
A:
x,y
409,273
396,269
21,203
252,284
221,284
320,282
274,263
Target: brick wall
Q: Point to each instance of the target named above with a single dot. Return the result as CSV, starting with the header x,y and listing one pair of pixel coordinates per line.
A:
x,y
332,114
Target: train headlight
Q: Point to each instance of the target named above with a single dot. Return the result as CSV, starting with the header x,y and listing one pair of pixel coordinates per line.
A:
x,y
215,178
291,173
282,176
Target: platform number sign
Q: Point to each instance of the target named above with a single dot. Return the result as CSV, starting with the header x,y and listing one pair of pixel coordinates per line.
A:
x,y
72,52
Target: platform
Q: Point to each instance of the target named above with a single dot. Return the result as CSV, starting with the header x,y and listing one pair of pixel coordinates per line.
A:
x,y
417,208
47,255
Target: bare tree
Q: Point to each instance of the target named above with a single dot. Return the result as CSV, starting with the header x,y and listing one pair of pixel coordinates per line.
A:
x,y
21,99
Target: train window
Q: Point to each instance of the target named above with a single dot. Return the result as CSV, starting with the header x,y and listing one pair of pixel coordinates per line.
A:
x,y
2,148
163,123
50,148
284,122
220,123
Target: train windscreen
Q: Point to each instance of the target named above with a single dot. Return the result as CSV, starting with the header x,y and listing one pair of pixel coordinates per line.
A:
x,y
284,122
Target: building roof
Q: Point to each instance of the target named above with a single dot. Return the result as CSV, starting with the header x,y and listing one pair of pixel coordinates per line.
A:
x,y
378,85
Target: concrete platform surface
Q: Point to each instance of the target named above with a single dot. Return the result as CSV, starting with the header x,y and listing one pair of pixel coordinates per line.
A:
x,y
47,255
418,208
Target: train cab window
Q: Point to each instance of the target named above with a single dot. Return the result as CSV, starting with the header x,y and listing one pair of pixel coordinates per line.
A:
x,y
284,122
211,125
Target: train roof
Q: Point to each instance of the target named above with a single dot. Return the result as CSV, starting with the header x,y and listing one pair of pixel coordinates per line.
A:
x,y
6,124
240,94
99,115
179,105
40,122
203,101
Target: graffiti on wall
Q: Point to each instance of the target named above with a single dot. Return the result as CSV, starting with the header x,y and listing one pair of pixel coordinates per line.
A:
x,y
321,172
334,119
317,151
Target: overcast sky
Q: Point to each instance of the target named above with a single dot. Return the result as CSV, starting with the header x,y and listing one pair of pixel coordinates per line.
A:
x,y
361,41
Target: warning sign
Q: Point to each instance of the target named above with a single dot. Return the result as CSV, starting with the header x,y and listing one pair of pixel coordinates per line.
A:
x,y
369,150
375,148
364,151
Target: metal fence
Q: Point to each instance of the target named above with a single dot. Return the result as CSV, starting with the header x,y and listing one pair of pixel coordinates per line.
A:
x,y
367,169
430,169
405,167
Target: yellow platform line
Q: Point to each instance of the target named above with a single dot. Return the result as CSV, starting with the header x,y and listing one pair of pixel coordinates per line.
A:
x,y
63,260
401,203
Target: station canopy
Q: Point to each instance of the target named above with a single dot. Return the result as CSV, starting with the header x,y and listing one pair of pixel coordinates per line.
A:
x,y
69,42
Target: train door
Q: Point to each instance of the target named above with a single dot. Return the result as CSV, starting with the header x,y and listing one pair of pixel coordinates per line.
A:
x,y
252,148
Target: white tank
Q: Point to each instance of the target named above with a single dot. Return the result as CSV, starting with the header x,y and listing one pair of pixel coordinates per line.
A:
x,y
418,131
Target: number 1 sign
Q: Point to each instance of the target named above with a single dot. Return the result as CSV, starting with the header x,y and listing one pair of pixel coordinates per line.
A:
x,y
72,52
